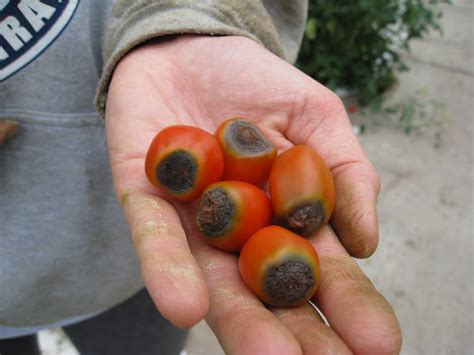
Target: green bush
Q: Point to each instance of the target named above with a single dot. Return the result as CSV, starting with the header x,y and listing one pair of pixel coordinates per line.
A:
x,y
355,44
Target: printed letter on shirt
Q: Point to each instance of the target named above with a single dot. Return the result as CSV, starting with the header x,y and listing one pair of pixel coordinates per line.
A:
x,y
27,28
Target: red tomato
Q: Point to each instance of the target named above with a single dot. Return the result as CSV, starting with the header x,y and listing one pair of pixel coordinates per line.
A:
x,y
183,160
301,190
248,154
280,267
230,212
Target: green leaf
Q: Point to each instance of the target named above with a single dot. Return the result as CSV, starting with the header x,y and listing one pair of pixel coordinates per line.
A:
x,y
311,29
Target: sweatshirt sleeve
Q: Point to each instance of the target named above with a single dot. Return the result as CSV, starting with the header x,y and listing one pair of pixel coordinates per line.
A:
x,y
276,24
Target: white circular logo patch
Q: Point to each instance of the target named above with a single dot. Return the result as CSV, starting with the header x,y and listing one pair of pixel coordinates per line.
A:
x,y
27,28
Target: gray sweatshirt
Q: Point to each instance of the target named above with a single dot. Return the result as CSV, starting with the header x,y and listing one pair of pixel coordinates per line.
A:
x,y
65,250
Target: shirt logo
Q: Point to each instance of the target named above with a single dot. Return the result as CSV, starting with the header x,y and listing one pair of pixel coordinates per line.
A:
x,y
27,28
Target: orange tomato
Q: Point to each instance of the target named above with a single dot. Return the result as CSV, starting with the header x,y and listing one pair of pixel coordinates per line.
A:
x,y
183,160
230,212
280,267
248,154
301,190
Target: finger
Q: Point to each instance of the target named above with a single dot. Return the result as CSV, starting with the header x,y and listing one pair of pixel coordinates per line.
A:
x,y
241,323
7,129
325,126
314,336
355,215
361,316
170,272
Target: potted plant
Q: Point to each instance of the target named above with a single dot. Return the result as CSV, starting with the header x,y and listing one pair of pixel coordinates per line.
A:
x,y
353,46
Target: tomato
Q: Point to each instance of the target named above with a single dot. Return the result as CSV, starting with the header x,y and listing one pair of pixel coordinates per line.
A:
x,y
230,212
183,160
301,190
280,267
248,154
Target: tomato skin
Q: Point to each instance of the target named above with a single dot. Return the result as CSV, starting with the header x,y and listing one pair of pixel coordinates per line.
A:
x,y
299,177
251,211
251,167
194,144
271,246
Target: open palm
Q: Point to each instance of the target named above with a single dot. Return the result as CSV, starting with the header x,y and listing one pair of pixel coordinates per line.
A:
x,y
202,81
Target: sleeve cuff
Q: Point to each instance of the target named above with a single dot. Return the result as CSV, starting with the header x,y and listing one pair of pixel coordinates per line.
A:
x,y
137,24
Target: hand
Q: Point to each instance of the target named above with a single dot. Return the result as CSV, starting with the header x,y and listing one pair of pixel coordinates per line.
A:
x,y
7,129
201,81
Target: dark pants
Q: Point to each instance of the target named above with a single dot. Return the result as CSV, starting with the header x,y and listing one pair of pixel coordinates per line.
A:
x,y
133,327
